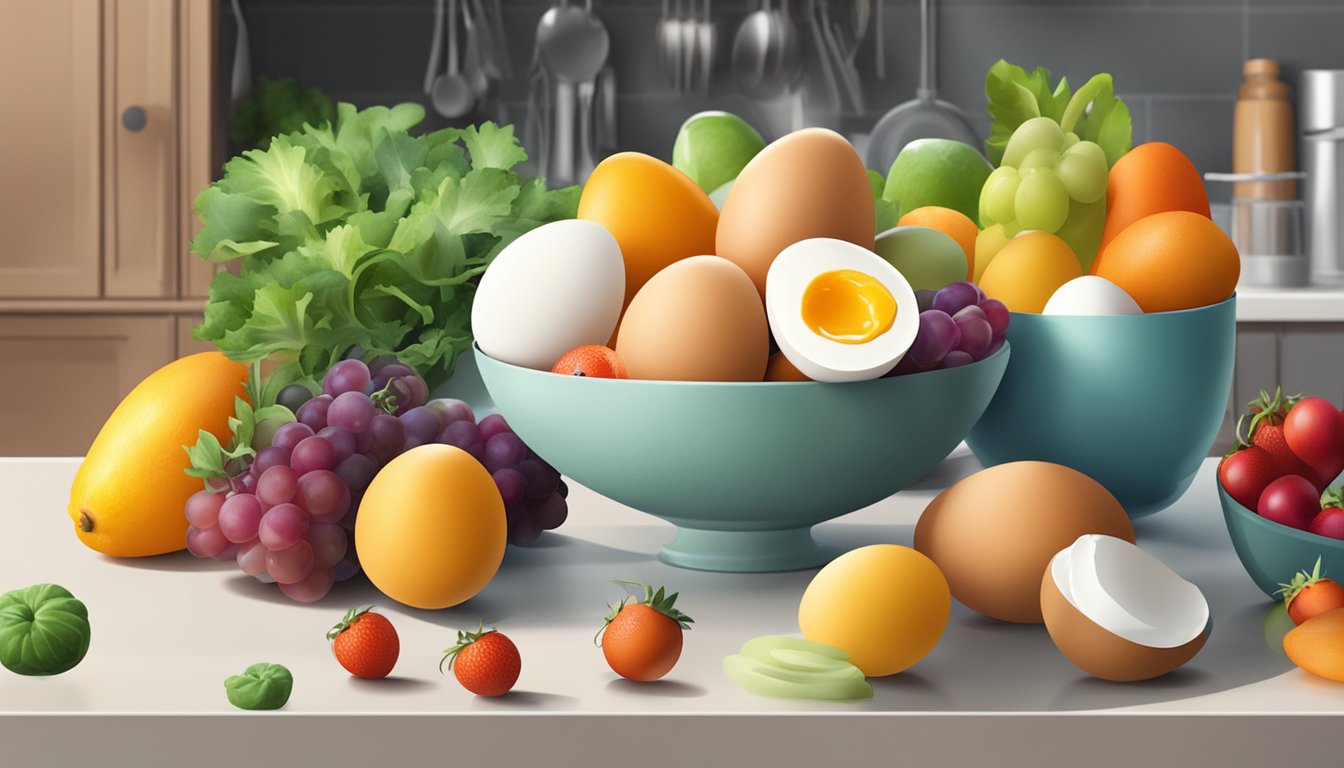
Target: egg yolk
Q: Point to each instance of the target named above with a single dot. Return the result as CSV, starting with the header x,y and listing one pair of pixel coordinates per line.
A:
x,y
848,306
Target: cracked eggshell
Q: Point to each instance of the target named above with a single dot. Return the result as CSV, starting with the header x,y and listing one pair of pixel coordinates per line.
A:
x,y
1136,620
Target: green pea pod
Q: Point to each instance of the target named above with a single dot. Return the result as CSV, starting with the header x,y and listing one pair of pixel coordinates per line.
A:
x,y
44,630
261,686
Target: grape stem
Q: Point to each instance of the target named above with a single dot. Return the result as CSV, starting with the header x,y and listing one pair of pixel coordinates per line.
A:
x,y
385,399
1099,85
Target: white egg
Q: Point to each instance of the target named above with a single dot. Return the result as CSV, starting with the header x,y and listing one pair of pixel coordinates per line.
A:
x,y
1091,295
839,312
557,287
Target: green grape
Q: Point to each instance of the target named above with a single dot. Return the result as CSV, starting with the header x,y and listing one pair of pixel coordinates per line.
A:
x,y
1036,133
1088,148
1041,157
1041,202
1070,140
1083,176
998,195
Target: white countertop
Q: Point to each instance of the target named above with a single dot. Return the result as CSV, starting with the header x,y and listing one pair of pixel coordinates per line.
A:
x,y
168,630
1290,305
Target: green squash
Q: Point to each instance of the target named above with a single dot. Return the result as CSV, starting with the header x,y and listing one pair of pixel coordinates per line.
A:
x,y
44,630
261,686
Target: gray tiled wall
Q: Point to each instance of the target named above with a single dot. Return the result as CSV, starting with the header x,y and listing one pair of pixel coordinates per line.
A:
x,y
1176,62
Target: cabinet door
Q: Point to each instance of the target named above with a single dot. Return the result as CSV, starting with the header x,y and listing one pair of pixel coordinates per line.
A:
x,y
186,345
84,365
198,134
141,244
50,198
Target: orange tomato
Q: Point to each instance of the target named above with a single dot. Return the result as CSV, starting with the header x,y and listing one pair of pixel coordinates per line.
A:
x,y
954,224
641,643
1150,178
655,212
1171,261
591,360
1028,270
780,369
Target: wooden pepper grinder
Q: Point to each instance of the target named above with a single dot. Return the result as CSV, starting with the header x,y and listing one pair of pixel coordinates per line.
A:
x,y
1262,132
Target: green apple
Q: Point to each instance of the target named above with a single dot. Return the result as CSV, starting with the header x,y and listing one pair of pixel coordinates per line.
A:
x,y
938,172
713,147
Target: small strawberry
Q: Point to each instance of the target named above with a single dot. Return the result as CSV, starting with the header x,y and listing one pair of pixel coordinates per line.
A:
x,y
365,643
1266,431
1245,472
1272,410
485,662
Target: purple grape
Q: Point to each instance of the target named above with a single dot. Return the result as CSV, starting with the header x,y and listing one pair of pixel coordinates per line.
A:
x,y
957,358
952,297
356,471
523,528
938,334
363,441
389,372
504,450
309,589
924,299
273,456
205,542
346,376
465,435
421,423
450,410
388,433
351,411
542,480
239,516
323,496
905,366
246,484
994,347
277,486
329,544
410,391
551,512
345,570
378,363
313,453
975,332
493,425
291,564
289,435
229,552
282,527
252,559
342,442
512,485
997,314
411,444
562,489
202,509
314,412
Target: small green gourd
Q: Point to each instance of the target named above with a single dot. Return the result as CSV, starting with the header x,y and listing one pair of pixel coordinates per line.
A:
x,y
44,630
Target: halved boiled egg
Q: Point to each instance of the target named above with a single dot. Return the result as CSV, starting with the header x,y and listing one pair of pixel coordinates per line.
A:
x,y
839,312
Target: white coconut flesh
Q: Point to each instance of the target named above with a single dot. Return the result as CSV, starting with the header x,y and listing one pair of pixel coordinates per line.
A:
x,y
1129,593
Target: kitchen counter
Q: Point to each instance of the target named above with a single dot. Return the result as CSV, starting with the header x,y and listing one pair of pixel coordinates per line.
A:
x,y
1290,305
168,630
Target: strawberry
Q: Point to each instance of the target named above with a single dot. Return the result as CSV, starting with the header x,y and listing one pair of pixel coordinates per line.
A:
x,y
485,662
1311,594
1245,472
1266,431
365,643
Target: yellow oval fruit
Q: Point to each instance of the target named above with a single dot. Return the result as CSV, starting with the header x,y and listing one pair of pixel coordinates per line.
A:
x,y
987,245
1317,645
1028,270
885,605
128,495
431,529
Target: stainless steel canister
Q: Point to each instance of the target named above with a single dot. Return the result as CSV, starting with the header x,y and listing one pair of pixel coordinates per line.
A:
x,y
1321,122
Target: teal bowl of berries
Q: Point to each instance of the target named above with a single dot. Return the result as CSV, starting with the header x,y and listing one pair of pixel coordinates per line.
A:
x,y
1272,551
743,469
1133,401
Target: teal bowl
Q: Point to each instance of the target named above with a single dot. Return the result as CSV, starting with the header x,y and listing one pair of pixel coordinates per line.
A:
x,y
743,470
1133,401
1272,553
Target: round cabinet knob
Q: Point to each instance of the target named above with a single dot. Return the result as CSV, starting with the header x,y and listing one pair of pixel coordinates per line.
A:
x,y
134,118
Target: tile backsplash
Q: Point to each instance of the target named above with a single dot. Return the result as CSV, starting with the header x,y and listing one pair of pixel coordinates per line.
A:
x,y
1177,63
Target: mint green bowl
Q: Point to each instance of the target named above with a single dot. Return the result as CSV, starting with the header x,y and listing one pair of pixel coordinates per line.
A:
x,y
1271,553
1134,401
744,470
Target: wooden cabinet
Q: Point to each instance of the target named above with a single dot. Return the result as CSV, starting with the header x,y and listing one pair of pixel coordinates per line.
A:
x,y
67,373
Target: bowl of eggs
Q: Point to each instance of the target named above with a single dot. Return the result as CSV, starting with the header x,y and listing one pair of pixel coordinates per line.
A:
x,y
732,372
1122,373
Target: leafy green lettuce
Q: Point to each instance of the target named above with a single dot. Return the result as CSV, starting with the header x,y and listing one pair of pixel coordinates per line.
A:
x,y
1093,113
364,236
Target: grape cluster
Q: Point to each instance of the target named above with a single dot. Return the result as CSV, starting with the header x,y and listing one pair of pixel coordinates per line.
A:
x,y
958,325
290,517
1045,170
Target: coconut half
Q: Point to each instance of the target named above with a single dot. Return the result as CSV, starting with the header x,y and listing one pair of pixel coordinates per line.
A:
x,y
1119,613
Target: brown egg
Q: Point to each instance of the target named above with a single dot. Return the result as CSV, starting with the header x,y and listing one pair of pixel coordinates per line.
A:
x,y
699,319
811,183
993,533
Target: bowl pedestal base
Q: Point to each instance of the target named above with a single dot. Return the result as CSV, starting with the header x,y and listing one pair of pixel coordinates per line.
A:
x,y
791,549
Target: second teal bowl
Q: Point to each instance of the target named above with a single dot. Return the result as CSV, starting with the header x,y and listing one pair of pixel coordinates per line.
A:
x,y
1271,553
1133,401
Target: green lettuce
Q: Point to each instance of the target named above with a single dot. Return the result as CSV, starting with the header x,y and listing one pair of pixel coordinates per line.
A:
x,y
1093,112
364,236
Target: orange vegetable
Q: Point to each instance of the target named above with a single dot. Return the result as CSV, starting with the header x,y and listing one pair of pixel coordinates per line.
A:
x,y
591,360
641,639
1150,178
1170,261
952,223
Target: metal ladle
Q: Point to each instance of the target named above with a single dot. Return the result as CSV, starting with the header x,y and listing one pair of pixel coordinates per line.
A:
x,y
572,42
451,94
767,57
